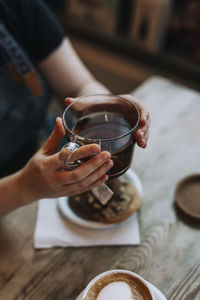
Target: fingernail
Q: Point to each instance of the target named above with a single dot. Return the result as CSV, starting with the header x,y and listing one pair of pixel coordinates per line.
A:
x,y
57,121
106,178
97,148
143,121
105,156
143,143
109,163
68,101
142,134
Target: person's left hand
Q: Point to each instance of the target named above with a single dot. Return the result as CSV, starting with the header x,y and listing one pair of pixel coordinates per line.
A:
x,y
142,133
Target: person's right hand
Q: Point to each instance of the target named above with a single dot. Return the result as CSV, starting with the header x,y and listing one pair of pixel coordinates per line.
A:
x,y
44,176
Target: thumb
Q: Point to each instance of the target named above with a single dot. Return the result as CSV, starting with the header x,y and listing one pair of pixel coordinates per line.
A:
x,y
69,100
52,144
77,106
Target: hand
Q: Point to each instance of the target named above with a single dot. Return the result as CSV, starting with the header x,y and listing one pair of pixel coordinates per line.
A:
x,y
44,176
142,133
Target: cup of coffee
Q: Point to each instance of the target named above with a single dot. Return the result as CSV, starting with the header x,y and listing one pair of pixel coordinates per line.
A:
x,y
105,119
117,285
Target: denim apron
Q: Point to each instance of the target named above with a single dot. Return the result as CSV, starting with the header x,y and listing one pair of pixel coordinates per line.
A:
x,y
24,99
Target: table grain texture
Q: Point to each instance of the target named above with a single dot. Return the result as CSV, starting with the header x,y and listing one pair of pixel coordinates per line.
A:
x,y
169,254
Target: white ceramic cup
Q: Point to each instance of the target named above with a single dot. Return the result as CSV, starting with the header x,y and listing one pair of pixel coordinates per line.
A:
x,y
92,282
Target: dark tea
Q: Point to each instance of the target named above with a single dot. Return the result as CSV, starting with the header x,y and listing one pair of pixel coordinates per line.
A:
x,y
112,130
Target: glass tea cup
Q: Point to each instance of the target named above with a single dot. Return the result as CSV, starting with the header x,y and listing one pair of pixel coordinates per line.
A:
x,y
105,119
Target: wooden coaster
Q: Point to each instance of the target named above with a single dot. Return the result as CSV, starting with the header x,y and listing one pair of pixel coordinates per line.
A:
x,y
187,195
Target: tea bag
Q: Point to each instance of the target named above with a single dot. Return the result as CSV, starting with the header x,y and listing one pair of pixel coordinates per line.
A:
x,y
103,193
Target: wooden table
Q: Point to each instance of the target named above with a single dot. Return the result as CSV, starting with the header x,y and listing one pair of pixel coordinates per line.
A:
x,y
169,254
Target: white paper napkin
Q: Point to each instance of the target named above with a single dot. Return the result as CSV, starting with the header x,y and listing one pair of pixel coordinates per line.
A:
x,y
53,229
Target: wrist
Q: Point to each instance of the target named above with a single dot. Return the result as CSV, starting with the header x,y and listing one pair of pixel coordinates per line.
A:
x,y
13,193
92,87
24,187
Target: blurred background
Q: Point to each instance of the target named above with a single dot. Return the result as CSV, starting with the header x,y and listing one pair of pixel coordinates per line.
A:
x,y
124,42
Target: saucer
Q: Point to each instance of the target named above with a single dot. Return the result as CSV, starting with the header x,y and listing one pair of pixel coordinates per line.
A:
x,y
67,212
157,293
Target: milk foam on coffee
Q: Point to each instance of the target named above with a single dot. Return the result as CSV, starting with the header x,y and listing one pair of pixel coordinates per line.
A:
x,y
116,290
118,286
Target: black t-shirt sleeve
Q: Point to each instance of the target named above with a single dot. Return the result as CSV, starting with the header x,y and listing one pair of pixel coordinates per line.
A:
x,y
44,33
33,25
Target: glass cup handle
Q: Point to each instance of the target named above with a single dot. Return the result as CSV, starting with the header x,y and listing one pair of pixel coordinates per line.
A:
x,y
103,193
65,155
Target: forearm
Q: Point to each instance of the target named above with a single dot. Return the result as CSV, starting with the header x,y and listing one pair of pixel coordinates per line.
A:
x,y
91,87
67,75
11,193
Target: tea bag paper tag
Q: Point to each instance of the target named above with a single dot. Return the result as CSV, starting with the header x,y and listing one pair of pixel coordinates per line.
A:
x,y
103,193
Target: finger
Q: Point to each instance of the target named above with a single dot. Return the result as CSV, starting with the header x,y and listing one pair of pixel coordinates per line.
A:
x,y
52,144
93,180
142,131
145,129
69,100
98,182
84,152
67,155
85,170
144,114
93,176
141,141
80,105
142,136
146,138
57,160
